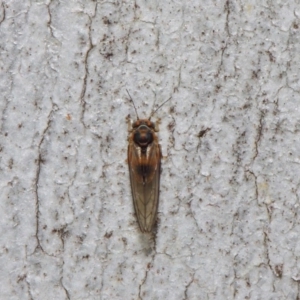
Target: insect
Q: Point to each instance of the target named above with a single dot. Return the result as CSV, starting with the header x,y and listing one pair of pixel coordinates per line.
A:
x,y
144,161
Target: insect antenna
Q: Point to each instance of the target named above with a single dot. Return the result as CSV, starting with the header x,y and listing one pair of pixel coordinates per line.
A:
x,y
159,108
133,105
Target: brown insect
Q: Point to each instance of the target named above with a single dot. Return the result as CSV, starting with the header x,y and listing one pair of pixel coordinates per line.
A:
x,y
144,160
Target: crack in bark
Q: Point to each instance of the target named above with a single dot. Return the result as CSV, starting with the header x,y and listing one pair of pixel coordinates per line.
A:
x,y
4,13
259,134
257,142
85,62
66,291
24,277
37,180
187,287
144,280
233,283
29,288
266,242
255,182
227,10
200,135
72,204
50,19
175,89
193,216
4,110
63,233
149,265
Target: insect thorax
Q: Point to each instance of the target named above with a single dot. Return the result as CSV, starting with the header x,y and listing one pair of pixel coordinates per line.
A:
x,y
143,135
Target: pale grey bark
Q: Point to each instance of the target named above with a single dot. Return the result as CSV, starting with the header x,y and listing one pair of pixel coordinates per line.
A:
x,y
228,223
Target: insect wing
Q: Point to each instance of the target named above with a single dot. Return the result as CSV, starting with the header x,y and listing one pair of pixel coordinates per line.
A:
x,y
144,172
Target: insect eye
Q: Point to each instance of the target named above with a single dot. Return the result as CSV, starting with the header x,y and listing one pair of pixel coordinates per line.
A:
x,y
135,125
151,124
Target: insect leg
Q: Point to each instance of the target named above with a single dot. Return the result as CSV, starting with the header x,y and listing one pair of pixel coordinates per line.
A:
x,y
129,123
158,121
